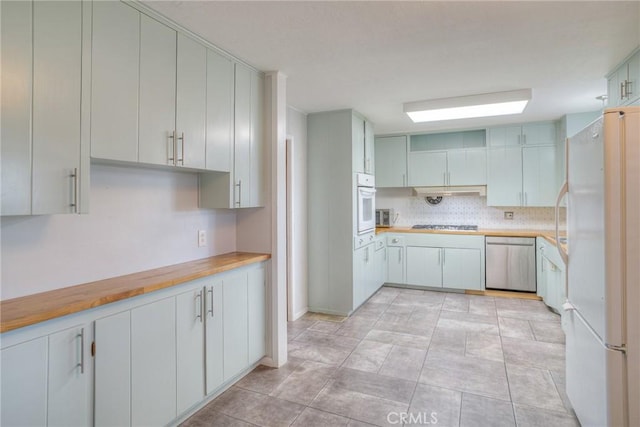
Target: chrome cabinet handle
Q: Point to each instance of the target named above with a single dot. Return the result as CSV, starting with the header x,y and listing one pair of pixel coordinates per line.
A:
x,y
366,255
210,292
524,138
444,178
74,204
81,363
404,180
525,198
400,255
181,160
199,306
622,90
628,88
239,185
519,139
172,160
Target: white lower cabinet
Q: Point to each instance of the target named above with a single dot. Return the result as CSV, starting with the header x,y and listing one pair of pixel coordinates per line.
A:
x,y
68,385
551,277
235,325
214,336
380,265
436,260
190,352
112,370
256,314
45,381
156,361
424,266
153,363
24,384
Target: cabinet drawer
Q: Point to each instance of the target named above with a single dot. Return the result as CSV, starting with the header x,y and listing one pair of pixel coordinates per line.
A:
x,y
364,240
395,240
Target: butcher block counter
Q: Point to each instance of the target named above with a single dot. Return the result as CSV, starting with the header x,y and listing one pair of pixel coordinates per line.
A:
x,y
29,310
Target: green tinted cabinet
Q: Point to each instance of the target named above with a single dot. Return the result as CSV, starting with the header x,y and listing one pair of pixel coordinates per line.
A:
x,y
257,315
540,183
42,156
623,83
424,266
504,176
214,336
467,167
428,168
391,161
235,325
190,350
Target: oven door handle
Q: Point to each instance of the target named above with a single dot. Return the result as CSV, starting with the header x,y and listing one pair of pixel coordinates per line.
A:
x,y
366,190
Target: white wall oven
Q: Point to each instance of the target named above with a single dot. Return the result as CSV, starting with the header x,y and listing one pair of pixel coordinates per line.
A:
x,y
366,203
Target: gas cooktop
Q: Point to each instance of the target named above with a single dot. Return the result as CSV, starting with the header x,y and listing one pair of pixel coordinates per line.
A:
x,y
446,227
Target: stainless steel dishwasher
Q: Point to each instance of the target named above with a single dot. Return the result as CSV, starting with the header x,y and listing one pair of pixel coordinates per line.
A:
x,y
511,263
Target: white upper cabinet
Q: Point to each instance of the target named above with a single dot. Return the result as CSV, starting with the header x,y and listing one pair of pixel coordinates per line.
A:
x,y
428,168
244,186
540,183
369,150
191,103
391,161
623,82
157,114
504,176
539,133
17,48
467,166
219,145
114,82
42,47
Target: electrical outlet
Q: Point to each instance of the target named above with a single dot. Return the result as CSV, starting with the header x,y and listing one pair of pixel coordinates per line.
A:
x,y
508,215
202,238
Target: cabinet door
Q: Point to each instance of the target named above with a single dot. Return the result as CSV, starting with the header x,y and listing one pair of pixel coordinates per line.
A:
x,y
257,312
424,266
57,48
461,269
539,176
191,102
16,52
214,336
190,348
236,351
359,275
115,69
541,283
467,167
157,111
369,153
112,364
633,78
24,384
358,141
153,363
242,136
380,263
395,264
256,176
391,161
504,136
219,145
427,168
68,388
539,134
504,176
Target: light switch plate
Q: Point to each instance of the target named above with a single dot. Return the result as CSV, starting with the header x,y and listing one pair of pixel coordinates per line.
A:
x,y
202,238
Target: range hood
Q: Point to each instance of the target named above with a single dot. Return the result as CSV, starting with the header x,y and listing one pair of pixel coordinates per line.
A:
x,y
475,190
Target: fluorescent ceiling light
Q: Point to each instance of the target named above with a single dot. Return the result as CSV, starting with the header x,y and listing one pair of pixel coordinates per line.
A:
x,y
466,107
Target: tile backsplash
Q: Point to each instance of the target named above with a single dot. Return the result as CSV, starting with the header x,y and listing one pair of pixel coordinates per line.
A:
x,y
462,210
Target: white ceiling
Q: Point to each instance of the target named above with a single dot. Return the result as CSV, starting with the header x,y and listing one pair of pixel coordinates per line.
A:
x,y
374,56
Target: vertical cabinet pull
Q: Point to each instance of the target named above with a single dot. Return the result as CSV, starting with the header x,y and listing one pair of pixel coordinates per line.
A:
x,y
440,257
74,202
239,185
210,292
198,298
525,198
404,180
181,159
81,363
622,90
400,255
520,198
171,158
524,138
628,88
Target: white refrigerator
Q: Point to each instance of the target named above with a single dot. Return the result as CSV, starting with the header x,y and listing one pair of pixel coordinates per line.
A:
x,y
600,317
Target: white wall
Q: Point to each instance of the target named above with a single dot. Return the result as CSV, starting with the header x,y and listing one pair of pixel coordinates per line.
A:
x,y
139,219
298,294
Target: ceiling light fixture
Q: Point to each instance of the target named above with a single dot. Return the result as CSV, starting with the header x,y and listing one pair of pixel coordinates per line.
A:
x,y
466,107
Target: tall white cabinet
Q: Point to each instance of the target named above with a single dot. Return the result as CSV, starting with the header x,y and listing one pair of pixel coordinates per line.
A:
x,y
341,268
42,52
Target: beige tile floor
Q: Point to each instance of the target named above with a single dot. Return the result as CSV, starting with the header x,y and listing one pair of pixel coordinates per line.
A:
x,y
410,357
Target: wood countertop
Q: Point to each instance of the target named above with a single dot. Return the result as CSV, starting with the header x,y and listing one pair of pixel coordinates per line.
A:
x,y
31,309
